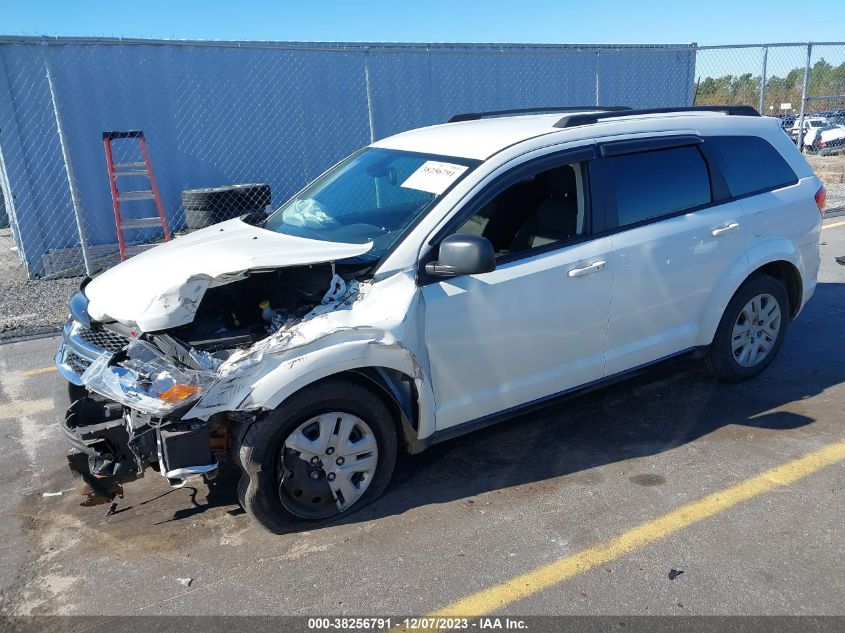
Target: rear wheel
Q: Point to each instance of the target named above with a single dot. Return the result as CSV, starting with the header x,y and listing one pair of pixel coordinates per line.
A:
x,y
328,450
751,331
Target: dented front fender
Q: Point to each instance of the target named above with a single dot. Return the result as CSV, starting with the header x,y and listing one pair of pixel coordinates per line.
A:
x,y
377,326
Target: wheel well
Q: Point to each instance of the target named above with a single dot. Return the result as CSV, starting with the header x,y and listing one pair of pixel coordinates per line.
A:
x,y
398,392
789,276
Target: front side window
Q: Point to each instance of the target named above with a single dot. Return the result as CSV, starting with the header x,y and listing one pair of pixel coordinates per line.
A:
x,y
652,184
541,209
373,196
750,164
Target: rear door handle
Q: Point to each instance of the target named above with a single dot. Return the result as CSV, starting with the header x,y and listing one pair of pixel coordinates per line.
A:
x,y
586,270
725,229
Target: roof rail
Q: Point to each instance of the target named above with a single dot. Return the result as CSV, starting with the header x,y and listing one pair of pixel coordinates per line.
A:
x,y
595,117
474,116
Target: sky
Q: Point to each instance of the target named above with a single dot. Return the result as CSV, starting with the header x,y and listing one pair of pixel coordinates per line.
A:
x,y
585,21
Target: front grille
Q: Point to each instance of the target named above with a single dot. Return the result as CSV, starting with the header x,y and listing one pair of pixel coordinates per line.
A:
x,y
76,362
101,338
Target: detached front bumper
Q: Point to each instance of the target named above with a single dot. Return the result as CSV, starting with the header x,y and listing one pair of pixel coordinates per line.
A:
x,y
112,439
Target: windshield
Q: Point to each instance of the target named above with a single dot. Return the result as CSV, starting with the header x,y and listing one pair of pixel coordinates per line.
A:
x,y
372,196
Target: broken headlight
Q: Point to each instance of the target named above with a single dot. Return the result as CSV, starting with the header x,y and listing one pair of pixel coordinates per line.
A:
x,y
146,380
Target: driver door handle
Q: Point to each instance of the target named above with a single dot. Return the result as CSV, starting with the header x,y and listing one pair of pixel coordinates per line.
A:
x,y
588,269
725,229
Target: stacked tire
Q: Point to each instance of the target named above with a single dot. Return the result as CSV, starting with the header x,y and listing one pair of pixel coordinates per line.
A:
x,y
204,207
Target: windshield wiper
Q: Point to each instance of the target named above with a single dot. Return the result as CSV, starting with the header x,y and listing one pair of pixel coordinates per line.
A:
x,y
254,218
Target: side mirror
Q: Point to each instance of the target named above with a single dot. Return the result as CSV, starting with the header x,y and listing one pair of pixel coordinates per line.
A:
x,y
463,255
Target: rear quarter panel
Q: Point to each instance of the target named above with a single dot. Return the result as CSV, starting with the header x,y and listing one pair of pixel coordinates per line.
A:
x,y
785,225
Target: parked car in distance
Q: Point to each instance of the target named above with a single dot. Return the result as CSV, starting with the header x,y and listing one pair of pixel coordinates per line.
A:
x,y
821,136
786,121
433,283
834,116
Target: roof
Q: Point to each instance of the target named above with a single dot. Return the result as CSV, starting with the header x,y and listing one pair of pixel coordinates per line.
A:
x,y
472,139
480,139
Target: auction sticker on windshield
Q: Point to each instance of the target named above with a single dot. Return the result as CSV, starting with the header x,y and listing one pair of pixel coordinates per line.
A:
x,y
434,177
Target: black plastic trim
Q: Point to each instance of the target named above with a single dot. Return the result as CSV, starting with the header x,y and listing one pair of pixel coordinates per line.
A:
x,y
719,191
474,116
601,197
126,134
407,408
651,143
588,119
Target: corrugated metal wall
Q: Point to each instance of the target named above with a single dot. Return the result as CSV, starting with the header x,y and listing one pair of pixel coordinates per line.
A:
x,y
220,113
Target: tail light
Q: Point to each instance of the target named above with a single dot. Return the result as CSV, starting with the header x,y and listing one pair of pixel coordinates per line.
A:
x,y
821,197
822,144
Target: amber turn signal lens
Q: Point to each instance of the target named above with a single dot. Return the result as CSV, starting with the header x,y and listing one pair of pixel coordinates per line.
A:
x,y
178,392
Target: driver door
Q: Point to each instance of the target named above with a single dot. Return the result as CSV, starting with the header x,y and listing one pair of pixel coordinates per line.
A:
x,y
533,327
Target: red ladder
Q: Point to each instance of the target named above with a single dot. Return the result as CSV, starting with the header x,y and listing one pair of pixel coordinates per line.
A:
x,y
141,168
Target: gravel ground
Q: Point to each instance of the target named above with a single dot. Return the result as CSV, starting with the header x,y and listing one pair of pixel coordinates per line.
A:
x,y
29,307
835,197
831,169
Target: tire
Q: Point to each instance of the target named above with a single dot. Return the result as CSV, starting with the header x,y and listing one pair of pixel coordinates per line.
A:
x,y
272,473
734,359
204,207
248,196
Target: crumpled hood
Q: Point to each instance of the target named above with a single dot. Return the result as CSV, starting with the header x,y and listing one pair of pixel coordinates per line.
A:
x,y
162,287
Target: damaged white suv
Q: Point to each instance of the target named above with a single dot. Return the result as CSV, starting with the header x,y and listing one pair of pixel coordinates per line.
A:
x,y
433,283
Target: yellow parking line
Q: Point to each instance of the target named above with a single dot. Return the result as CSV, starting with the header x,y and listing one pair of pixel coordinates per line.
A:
x,y
833,226
531,582
40,370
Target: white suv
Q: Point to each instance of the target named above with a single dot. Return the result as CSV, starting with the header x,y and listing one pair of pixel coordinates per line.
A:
x,y
820,136
433,283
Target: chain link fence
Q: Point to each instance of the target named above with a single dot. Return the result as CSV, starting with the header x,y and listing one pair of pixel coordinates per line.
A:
x,y
235,127
802,84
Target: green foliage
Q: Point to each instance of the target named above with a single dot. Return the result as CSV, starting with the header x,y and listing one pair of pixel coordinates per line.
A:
x,y
825,80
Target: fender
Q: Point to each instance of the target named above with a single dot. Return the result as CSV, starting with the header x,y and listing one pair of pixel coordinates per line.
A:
x,y
377,328
758,253
333,357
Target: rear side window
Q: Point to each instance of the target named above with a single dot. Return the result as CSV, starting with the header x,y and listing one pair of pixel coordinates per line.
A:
x,y
652,184
750,164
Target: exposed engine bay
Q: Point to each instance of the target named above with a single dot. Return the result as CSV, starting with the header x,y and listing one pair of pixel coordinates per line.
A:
x,y
244,312
134,405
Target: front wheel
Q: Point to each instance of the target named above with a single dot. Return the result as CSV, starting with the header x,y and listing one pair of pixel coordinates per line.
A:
x,y
751,331
328,450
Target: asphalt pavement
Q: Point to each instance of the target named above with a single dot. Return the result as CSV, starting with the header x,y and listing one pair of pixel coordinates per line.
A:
x,y
590,504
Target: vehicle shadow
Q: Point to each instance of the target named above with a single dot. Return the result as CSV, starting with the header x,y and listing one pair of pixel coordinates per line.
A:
x,y
670,405
665,407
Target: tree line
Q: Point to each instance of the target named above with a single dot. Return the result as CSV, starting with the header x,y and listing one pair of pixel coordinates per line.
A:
x,y
825,80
